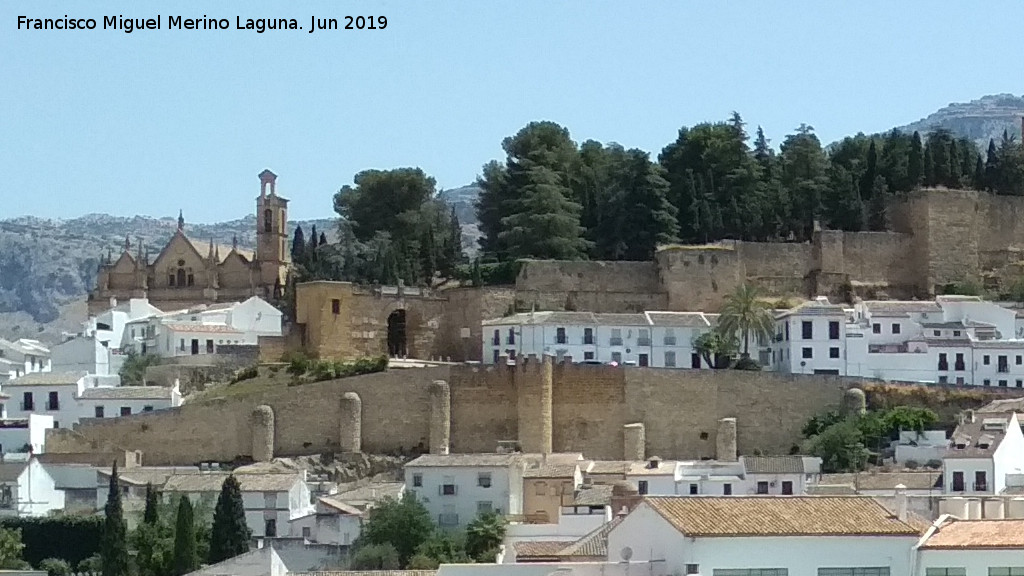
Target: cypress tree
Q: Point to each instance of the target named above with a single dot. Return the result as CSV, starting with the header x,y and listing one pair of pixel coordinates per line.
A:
x,y
979,174
991,166
867,180
955,178
929,167
915,162
113,546
323,238
877,205
477,276
298,245
151,515
186,559
230,534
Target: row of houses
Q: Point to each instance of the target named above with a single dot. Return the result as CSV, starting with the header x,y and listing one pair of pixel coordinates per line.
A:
x,y
952,340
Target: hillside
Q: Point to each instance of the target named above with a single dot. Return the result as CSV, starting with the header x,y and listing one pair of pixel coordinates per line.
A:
x,y
978,120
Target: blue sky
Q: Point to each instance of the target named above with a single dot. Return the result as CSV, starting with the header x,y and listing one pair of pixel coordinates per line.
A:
x,y
154,121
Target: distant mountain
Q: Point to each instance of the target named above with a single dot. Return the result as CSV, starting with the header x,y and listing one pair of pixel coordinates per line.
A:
x,y
48,266
978,120
464,201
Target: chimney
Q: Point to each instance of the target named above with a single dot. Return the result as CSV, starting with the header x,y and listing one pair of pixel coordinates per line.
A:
x,y
901,502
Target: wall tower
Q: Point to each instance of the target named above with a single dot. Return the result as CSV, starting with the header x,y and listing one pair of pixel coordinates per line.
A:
x,y
272,253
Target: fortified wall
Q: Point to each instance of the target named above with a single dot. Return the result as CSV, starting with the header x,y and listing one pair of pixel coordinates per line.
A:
x,y
470,408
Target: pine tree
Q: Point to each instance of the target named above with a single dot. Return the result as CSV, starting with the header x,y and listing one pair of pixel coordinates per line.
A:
x,y
151,514
929,167
113,544
230,534
877,206
298,245
186,558
915,162
545,223
641,216
955,179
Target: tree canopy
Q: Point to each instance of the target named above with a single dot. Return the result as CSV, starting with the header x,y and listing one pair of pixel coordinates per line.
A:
x,y
230,533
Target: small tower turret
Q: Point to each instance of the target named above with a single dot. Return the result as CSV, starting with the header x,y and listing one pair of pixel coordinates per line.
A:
x,y
181,220
272,255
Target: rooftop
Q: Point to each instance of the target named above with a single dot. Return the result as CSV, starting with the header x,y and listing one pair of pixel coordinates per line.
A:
x,y
155,475
901,308
371,492
446,460
127,393
594,544
644,468
538,548
780,516
773,464
979,438
204,328
958,534
926,480
618,467
10,471
551,471
594,495
49,379
212,482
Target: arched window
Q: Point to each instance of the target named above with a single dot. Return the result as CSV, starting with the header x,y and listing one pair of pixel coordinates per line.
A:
x,y
181,277
268,220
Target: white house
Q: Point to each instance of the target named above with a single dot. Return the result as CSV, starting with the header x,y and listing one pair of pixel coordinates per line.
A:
x,y
984,449
331,522
960,547
767,535
24,356
783,475
27,489
652,476
456,488
71,396
920,447
272,501
83,353
660,339
809,339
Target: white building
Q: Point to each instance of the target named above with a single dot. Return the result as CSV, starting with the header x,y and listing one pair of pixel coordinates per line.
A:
x,y
24,435
23,356
456,488
27,489
767,536
984,449
331,522
961,547
83,353
920,447
70,396
782,475
660,339
272,501
653,476
202,330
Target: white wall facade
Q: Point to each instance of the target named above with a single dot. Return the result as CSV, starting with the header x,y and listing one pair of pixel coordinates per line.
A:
x,y
34,493
82,353
973,561
504,495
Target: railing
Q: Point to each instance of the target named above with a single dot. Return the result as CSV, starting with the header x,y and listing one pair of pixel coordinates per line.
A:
x,y
981,486
496,341
943,366
588,339
1003,369
53,405
28,406
959,367
561,339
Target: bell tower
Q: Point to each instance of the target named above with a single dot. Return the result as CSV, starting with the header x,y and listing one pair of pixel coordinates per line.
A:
x,y
272,254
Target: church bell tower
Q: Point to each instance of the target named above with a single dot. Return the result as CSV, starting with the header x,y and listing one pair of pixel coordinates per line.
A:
x,y
272,254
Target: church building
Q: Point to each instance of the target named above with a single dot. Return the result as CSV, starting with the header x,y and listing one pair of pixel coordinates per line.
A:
x,y
187,273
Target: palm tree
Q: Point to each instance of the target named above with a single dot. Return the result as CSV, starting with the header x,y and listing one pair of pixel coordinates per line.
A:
x,y
746,314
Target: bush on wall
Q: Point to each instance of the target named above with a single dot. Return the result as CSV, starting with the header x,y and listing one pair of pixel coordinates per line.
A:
x,y
71,538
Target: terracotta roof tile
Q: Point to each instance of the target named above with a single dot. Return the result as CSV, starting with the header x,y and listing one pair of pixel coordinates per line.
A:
x,y
127,392
443,460
538,548
594,544
978,534
780,516
773,464
551,471
48,378
596,495
212,482
927,480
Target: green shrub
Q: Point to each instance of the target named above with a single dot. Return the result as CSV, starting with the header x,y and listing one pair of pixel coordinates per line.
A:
x,y
55,567
320,370
71,538
93,564
911,464
747,364
934,464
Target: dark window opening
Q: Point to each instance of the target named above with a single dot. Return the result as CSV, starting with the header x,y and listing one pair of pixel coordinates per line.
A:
x,y
396,334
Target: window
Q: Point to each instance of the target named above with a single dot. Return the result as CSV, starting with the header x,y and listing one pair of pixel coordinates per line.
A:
x,y
956,333
270,528
876,328
1002,364
980,481
787,487
27,403
695,361
209,346
511,339
896,328
958,363
147,408
727,489
945,572
670,359
496,338
670,337
751,572
126,410
692,569
806,329
99,411
787,330
959,380
588,335
762,487
497,355
644,337
807,352
1007,571
448,490
833,330
985,360
880,571
417,480
833,352
643,360
616,339
694,490
1020,383
268,220
958,482
306,532
560,336
588,355
617,357
986,382
52,403
1002,383
943,362
335,306
483,479
448,516
936,333
943,379
642,487
170,280
484,507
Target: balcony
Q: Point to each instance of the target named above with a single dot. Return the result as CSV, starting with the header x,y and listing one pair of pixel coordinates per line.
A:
x,y
588,339
53,406
28,406
981,486
959,367
495,341
943,366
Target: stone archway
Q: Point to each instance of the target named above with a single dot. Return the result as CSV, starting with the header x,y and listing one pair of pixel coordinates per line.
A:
x,y
397,335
